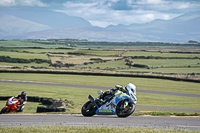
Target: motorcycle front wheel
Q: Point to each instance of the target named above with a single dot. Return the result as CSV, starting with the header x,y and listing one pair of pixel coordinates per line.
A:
x,y
124,109
3,111
88,109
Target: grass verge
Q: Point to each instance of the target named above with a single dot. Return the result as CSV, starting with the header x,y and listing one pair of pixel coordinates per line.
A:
x,y
107,81
165,114
59,129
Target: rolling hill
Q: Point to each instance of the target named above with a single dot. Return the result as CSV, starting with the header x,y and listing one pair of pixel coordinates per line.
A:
x,y
36,24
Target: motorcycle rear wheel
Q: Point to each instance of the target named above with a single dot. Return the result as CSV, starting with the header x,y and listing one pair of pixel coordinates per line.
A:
x,y
124,112
3,111
88,112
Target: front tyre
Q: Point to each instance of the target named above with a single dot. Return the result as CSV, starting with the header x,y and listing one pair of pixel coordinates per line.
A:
x,y
124,109
4,110
88,109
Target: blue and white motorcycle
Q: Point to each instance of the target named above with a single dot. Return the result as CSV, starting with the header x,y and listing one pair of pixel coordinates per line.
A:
x,y
121,104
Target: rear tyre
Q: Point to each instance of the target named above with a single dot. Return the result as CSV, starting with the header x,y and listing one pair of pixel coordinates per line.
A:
x,y
3,111
123,110
88,109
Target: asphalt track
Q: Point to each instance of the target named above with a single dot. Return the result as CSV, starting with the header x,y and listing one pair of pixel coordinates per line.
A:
x,y
106,88
182,123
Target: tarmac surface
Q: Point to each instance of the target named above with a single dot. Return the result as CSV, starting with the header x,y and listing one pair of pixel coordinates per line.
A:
x,y
182,123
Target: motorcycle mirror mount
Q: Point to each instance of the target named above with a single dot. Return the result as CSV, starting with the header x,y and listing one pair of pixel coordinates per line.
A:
x,y
100,92
91,98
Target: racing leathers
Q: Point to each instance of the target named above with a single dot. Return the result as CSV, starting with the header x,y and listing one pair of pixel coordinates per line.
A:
x,y
107,96
23,100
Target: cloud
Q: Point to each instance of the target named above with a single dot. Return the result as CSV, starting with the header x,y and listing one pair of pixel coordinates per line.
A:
x,y
121,5
9,3
53,1
105,12
32,3
154,2
169,5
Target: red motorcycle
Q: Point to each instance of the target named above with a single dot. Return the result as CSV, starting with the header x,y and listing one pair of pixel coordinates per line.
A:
x,y
11,105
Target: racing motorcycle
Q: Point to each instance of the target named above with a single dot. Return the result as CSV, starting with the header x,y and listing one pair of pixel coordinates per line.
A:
x,y
121,104
11,105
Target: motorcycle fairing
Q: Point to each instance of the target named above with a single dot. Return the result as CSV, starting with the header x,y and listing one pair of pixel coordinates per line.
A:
x,y
11,104
12,101
109,108
121,96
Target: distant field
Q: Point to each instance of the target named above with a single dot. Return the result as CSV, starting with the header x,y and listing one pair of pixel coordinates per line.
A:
x,y
101,52
4,65
72,55
166,66
160,54
167,62
23,55
35,50
111,64
165,70
81,59
27,43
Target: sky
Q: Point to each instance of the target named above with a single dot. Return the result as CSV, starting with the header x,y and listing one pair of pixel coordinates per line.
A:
x,y
103,13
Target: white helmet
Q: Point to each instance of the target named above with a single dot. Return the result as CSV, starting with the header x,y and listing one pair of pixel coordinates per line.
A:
x,y
131,87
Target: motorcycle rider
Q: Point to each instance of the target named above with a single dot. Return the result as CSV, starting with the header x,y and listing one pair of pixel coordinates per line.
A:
x,y
106,96
22,98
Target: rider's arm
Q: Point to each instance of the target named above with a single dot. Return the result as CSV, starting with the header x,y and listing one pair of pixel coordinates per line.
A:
x,y
17,96
121,88
25,100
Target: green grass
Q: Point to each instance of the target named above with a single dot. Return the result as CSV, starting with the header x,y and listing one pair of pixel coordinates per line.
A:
x,y
100,52
17,43
167,62
2,64
159,54
156,113
62,129
27,43
23,55
156,65
79,95
107,81
164,70
157,100
188,64
108,65
55,92
37,50
81,59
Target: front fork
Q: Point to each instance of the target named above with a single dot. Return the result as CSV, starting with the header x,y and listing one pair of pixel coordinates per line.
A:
x,y
8,108
124,104
91,98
